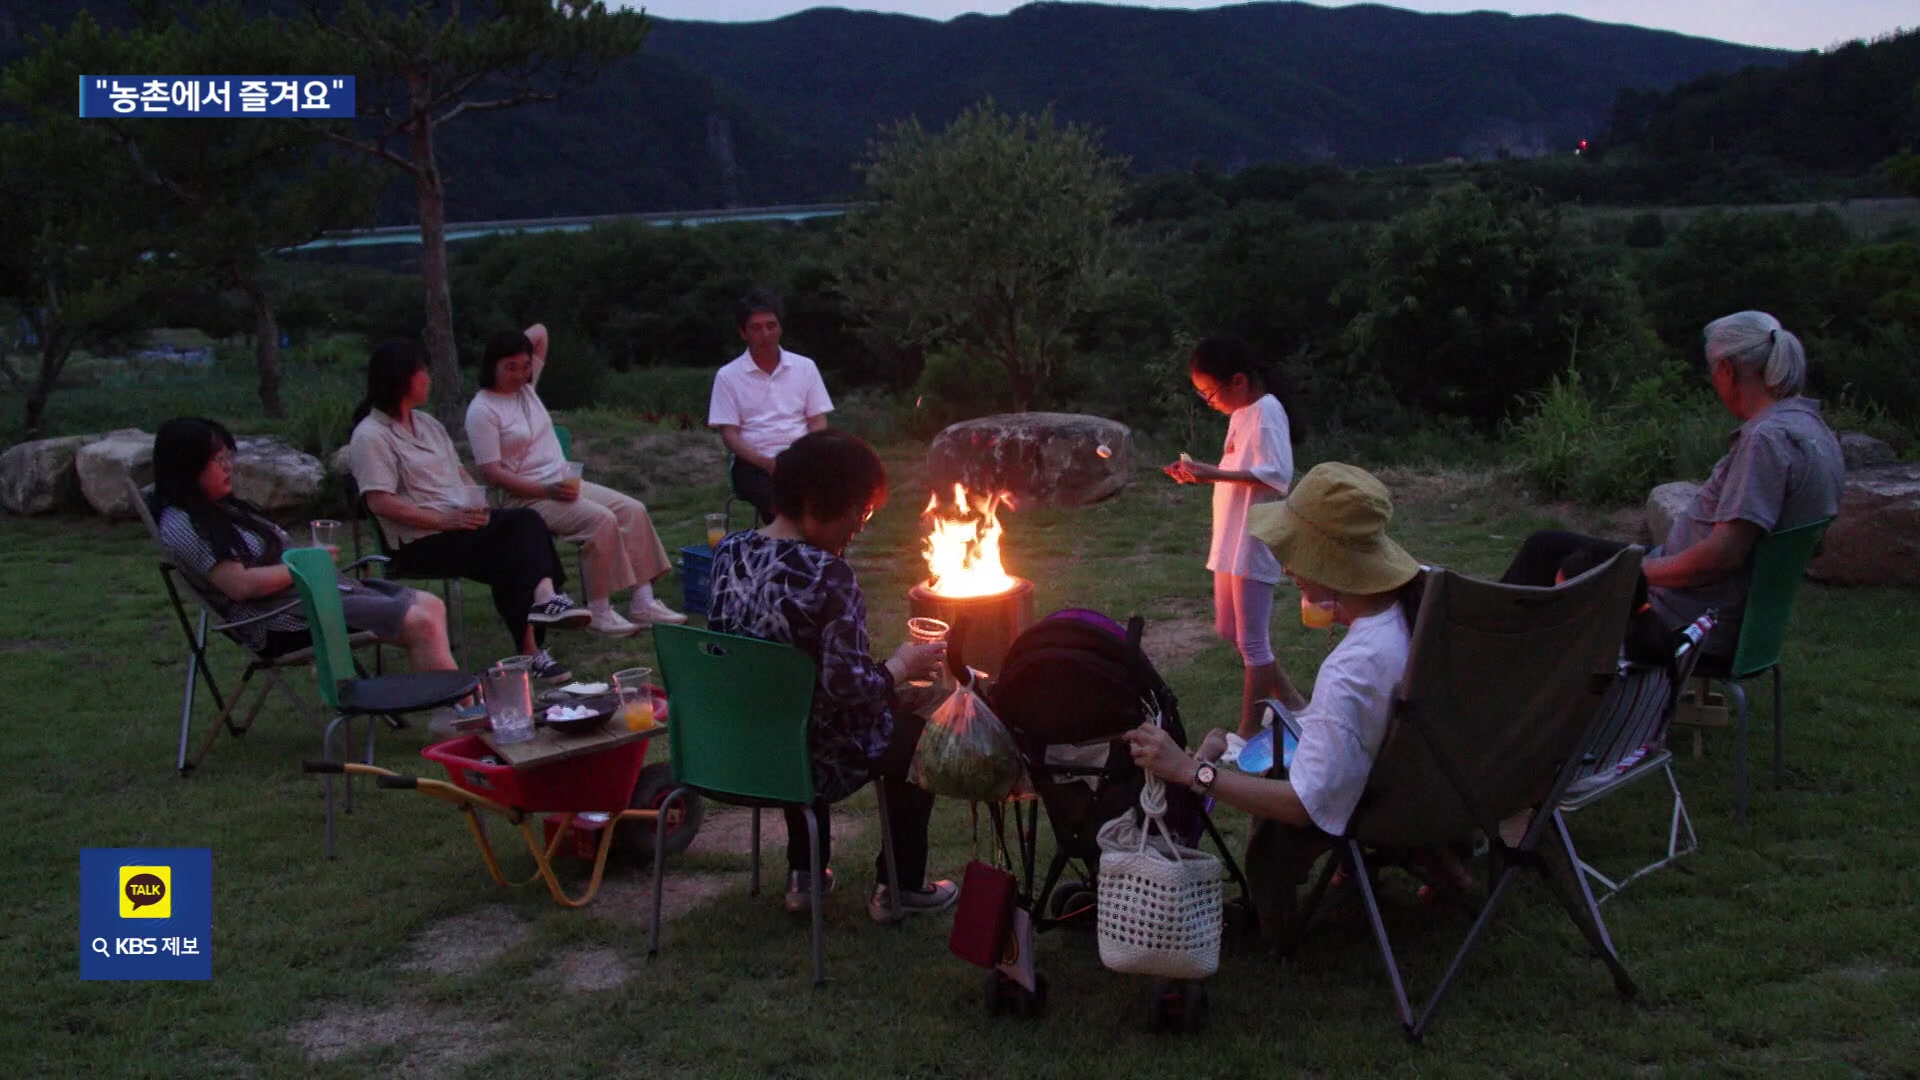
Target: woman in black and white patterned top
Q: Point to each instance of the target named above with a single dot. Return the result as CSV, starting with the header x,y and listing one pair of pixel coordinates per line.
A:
x,y
787,582
230,552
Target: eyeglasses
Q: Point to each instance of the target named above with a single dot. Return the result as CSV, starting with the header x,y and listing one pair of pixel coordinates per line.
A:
x,y
1207,396
867,516
224,459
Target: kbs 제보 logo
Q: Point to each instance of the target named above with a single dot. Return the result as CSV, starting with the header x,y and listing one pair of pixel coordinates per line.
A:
x,y
146,892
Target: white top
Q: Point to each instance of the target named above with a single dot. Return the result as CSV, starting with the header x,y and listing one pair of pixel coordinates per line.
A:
x,y
515,430
771,410
1342,727
1257,442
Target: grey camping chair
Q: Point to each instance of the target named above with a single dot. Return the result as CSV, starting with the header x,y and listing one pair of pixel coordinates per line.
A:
x,y
1628,743
1489,721
206,618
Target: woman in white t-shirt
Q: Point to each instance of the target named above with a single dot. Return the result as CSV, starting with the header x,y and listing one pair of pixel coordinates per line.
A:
x,y
1330,534
517,452
1255,468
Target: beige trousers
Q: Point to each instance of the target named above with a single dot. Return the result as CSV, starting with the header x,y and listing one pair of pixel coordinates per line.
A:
x,y
616,537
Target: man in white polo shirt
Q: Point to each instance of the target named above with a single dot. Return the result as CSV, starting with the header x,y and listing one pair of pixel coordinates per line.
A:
x,y
763,400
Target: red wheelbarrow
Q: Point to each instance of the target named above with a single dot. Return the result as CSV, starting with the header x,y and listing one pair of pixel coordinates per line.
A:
x,y
585,785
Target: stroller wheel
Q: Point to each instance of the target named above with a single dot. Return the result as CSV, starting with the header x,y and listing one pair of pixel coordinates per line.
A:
x,y
1240,920
1165,1004
1030,1004
1195,1002
996,986
1071,900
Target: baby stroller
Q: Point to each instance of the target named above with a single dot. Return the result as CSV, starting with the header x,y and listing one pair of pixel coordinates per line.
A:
x,y
1069,687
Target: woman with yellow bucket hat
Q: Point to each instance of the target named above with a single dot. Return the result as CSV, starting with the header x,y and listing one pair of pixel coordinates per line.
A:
x,y
1330,536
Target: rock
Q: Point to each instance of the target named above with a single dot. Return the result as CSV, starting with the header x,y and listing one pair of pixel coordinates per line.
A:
x,y
341,463
1665,503
1863,450
104,466
273,474
1041,459
1876,538
38,476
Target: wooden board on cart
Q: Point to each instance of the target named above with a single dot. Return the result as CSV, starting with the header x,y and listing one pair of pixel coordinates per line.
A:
x,y
548,746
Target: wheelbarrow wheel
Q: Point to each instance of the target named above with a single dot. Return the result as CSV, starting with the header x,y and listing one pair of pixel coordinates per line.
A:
x,y
635,839
1072,900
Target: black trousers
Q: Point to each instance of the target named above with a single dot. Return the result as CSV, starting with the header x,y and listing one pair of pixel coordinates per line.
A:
x,y
909,809
1542,555
509,554
755,485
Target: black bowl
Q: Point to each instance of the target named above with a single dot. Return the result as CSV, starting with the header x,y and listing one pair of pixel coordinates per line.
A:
x,y
603,706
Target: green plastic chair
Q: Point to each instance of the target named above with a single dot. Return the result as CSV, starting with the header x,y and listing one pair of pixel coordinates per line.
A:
x,y
1779,562
738,735
565,435
349,696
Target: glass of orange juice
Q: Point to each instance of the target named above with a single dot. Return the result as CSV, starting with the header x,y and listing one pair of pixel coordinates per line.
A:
x,y
716,529
1315,616
636,697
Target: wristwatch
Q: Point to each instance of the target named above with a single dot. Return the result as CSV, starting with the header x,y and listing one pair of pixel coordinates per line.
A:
x,y
1203,777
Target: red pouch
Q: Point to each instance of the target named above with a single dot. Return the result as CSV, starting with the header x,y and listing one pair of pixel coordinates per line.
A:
x,y
983,916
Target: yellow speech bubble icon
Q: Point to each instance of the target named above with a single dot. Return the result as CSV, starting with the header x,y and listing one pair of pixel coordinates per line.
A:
x,y
146,892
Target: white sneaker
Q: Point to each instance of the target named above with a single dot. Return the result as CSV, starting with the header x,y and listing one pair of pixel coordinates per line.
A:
x,y
610,623
653,611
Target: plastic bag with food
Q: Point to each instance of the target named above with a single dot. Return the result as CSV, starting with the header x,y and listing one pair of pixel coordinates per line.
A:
x,y
965,752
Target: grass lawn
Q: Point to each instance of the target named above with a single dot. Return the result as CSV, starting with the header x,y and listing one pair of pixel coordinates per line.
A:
x,y
1788,948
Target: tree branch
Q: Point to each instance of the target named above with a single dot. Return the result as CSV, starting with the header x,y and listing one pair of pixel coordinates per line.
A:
x,y
146,171
378,151
497,103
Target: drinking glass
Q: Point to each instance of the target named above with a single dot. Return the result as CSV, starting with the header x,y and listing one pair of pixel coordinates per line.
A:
x,y
1315,616
576,472
636,697
716,529
926,631
509,691
326,534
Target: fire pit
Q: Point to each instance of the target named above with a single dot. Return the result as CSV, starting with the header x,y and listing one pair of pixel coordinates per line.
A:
x,y
968,587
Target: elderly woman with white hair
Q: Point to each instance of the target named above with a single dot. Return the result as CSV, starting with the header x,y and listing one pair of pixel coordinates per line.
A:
x,y
1783,469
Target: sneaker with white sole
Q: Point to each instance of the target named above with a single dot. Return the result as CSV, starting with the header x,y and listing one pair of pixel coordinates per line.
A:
x,y
549,670
560,611
800,890
653,611
611,624
937,896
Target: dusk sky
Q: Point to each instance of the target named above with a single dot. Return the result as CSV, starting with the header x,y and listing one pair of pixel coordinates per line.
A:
x,y
1787,24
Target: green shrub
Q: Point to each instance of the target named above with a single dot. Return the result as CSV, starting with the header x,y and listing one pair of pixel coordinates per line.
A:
x,y
1661,428
659,393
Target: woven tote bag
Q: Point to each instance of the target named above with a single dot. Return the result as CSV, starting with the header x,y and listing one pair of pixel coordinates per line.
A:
x,y
1159,902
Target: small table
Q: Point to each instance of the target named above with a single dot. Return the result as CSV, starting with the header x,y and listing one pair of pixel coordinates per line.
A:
x,y
548,746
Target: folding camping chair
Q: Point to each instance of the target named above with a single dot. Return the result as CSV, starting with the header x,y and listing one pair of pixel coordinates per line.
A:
x,y
1779,562
390,696
741,708
449,586
1628,742
199,667
1498,695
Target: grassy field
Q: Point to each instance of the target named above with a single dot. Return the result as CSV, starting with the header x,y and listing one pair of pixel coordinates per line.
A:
x,y
1789,948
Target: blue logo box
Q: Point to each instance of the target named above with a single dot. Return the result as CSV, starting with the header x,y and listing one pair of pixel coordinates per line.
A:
x,y
146,913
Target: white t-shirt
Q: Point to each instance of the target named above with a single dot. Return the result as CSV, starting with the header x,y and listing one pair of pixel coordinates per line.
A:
x,y
1257,442
1345,722
771,410
516,432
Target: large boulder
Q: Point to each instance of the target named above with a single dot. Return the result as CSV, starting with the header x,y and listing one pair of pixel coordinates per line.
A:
x,y
1665,503
1862,450
38,476
1041,459
341,463
104,466
1876,538
273,474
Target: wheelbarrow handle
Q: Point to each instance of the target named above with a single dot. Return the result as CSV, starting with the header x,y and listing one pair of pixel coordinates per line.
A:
x,y
323,766
391,780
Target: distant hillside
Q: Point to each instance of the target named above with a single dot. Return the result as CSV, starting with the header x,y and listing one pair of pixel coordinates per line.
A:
x,y
714,113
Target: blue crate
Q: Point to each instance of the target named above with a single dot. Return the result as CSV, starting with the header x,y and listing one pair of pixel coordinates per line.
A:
x,y
696,572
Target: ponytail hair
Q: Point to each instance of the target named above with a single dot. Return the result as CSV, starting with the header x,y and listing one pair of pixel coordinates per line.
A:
x,y
1756,344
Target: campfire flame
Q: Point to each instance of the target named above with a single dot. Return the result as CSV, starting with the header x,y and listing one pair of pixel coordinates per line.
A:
x,y
963,550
